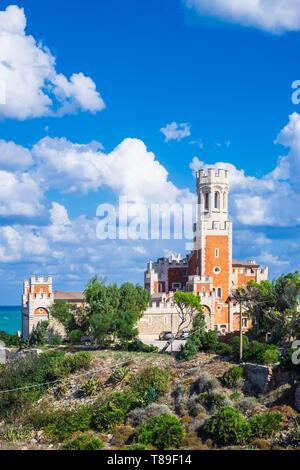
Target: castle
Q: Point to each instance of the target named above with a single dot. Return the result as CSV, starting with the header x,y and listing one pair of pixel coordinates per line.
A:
x,y
37,298
208,271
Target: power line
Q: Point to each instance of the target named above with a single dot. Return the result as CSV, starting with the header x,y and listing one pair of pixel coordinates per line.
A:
x,y
27,387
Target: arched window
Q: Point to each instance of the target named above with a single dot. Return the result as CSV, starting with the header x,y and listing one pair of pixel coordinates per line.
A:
x,y
225,201
207,201
217,200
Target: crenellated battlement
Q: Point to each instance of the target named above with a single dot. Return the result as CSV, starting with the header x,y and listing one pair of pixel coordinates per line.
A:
x,y
212,176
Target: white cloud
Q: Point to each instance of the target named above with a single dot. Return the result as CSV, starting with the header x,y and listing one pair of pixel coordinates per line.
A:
x,y
20,195
270,259
32,86
14,157
259,201
176,131
129,170
22,243
269,15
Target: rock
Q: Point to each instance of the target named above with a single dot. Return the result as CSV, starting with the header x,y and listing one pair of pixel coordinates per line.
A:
x,y
257,378
297,398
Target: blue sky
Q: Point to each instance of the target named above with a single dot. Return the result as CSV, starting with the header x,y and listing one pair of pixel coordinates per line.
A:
x,y
225,74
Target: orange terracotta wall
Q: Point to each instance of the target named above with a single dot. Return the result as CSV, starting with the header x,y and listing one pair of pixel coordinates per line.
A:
x,y
44,288
221,279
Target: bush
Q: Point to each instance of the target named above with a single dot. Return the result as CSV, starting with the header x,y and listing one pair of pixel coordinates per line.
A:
x,y
232,377
55,340
141,415
224,349
61,424
152,377
247,404
235,345
107,416
78,361
39,334
11,340
213,400
91,387
36,372
262,353
83,442
195,340
205,383
210,341
228,426
266,424
163,432
119,375
75,336
139,346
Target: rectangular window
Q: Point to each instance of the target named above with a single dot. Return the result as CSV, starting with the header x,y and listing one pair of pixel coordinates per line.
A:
x,y
219,292
245,322
176,285
217,253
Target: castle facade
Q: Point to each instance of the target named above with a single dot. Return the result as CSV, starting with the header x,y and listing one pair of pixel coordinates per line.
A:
x,y
209,271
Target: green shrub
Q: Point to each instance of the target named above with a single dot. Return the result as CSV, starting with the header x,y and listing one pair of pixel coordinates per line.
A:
x,y
107,416
228,426
266,424
232,377
205,383
152,377
61,424
83,442
60,390
194,342
139,346
56,340
11,340
35,373
39,334
211,400
79,361
75,336
91,387
13,433
119,375
235,345
224,349
139,416
164,432
262,353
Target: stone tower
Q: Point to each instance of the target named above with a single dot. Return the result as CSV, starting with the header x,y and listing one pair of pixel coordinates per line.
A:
x,y
36,300
212,255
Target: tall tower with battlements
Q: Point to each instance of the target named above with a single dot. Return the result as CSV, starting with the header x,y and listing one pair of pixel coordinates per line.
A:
x,y
37,299
212,255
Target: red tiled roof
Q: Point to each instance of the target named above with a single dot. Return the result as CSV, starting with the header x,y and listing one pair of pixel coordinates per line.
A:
x,y
58,295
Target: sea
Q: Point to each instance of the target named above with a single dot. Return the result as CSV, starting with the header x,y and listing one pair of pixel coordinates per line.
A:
x,y
10,319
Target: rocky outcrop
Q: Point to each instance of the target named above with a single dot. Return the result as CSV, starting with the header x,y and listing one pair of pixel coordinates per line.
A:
x,y
257,378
